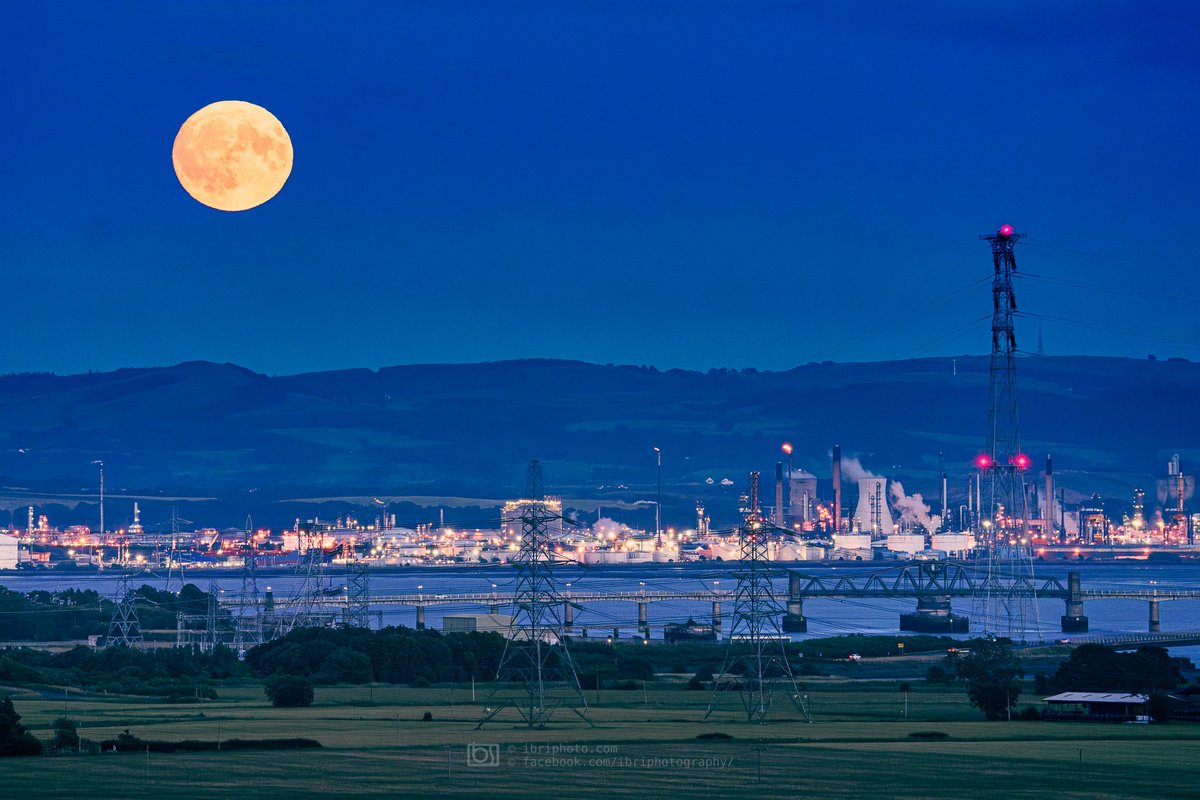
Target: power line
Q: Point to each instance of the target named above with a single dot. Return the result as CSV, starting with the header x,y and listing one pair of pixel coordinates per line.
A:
x,y
1107,256
962,330
1117,290
1112,329
902,318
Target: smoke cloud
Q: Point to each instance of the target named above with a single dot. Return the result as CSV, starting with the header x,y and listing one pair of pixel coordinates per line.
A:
x,y
853,470
604,526
913,508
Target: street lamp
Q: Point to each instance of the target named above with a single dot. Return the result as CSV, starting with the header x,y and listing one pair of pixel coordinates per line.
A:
x,y
786,447
658,504
101,465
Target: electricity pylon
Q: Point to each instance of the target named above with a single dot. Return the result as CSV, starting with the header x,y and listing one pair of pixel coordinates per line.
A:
x,y
756,657
174,564
124,629
248,627
536,675
303,608
358,595
1004,513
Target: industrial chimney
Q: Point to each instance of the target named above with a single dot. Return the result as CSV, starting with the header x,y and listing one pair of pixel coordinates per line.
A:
x,y
1049,497
779,494
837,488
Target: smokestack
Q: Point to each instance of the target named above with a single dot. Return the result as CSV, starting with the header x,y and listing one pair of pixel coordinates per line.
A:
x,y
837,488
942,469
1049,496
779,493
979,499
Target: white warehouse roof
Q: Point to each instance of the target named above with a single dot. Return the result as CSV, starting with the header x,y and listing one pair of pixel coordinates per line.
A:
x,y
1096,697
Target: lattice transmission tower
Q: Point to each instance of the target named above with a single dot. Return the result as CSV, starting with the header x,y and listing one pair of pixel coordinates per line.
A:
x,y
248,626
175,577
1004,513
212,622
536,675
304,608
358,595
124,630
756,661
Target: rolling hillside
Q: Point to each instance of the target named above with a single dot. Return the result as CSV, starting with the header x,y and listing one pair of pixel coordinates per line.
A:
x,y
466,430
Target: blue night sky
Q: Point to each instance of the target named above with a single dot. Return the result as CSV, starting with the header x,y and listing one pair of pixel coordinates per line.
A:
x,y
685,184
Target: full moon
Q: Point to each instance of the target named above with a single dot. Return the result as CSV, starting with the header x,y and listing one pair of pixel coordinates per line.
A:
x,y
232,155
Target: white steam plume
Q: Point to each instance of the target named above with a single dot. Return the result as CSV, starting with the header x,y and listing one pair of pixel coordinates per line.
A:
x,y
604,526
913,508
853,470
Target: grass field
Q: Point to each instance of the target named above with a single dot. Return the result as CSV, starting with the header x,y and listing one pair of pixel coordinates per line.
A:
x,y
643,745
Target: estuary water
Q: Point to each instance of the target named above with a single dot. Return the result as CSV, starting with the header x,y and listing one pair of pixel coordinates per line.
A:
x,y
826,617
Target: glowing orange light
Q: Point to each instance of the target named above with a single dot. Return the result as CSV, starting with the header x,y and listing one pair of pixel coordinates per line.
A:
x,y
786,448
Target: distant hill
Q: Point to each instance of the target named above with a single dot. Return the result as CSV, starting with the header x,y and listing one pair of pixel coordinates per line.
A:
x,y
467,430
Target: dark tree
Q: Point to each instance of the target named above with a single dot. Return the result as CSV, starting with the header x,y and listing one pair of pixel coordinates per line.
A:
x,y
344,665
940,673
1096,668
289,691
66,735
14,739
992,675
127,742
1160,707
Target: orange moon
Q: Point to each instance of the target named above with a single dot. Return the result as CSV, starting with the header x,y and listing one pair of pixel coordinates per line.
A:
x,y
232,155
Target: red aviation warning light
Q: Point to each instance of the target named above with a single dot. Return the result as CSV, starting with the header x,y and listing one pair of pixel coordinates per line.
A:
x,y
1021,461
983,461
1006,231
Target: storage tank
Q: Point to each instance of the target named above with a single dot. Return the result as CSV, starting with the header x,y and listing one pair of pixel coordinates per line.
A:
x,y
953,542
906,543
604,557
725,551
8,551
852,541
789,551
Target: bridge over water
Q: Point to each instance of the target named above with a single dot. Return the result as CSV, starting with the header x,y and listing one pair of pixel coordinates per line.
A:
x,y
932,584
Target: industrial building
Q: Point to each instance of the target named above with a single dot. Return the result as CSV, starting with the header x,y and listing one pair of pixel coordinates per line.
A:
x,y
690,631
471,623
1097,707
8,551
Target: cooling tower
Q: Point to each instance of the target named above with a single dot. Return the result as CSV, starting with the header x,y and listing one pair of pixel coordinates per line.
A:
x,y
872,515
